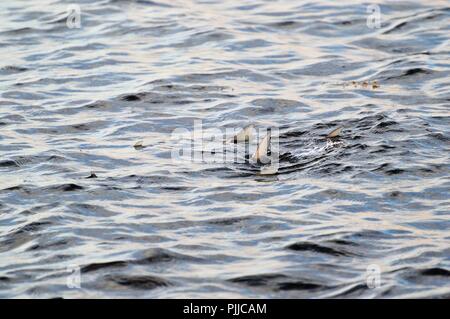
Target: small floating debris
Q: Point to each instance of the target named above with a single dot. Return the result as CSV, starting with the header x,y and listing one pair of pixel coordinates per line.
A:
x,y
335,133
375,85
363,84
139,145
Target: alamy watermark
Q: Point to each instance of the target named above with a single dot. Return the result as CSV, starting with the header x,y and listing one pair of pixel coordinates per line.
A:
x,y
373,276
256,146
73,280
73,16
374,18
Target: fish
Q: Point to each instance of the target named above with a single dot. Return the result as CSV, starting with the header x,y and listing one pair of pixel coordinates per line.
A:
x,y
244,135
335,133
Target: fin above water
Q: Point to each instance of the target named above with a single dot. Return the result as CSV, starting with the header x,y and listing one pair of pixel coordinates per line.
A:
x,y
335,133
261,153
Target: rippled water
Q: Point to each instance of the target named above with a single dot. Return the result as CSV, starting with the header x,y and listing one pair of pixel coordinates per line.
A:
x,y
74,192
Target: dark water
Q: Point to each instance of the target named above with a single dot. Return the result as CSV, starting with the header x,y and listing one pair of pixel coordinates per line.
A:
x,y
75,101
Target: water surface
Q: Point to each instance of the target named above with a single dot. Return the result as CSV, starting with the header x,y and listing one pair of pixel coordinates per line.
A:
x,y
74,102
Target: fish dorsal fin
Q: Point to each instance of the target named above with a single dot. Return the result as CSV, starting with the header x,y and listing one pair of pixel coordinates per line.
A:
x,y
335,133
244,135
261,153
